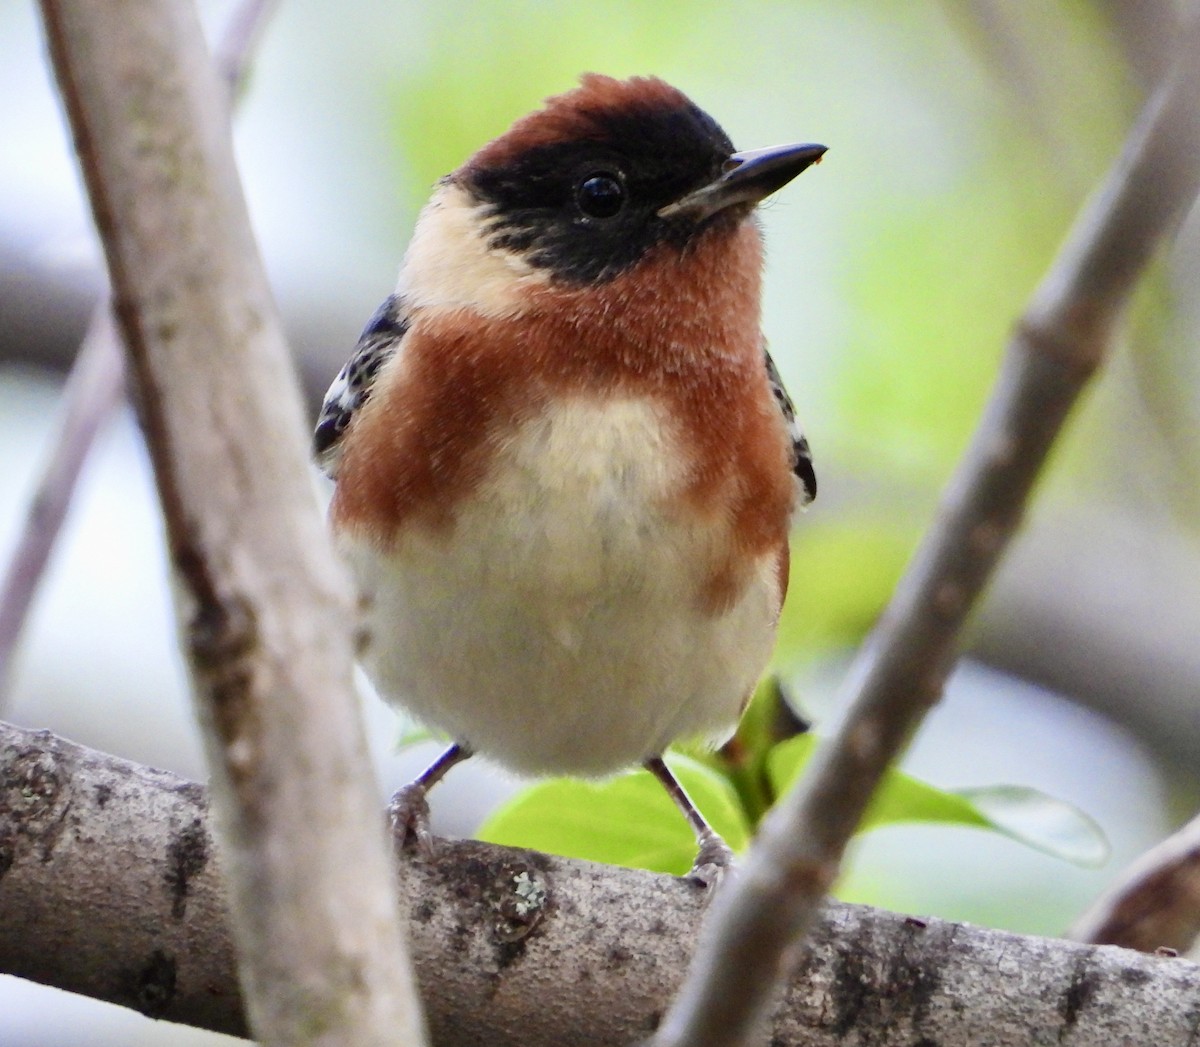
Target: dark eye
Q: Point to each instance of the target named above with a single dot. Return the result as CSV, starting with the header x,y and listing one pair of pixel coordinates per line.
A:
x,y
600,196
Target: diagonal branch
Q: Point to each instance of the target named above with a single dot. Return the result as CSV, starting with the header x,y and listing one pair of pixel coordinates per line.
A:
x,y
91,395
1058,345
234,50
266,611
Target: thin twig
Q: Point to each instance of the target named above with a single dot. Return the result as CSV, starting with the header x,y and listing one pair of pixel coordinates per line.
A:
x,y
266,610
92,393
1156,903
236,46
113,890
756,925
90,396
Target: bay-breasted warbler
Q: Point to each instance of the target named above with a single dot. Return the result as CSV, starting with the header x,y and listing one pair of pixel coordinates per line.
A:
x,y
565,465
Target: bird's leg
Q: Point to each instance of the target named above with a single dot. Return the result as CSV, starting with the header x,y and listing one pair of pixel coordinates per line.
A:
x,y
408,813
714,857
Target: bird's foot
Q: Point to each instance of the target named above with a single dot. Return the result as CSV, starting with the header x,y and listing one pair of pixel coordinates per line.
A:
x,y
408,816
714,861
408,813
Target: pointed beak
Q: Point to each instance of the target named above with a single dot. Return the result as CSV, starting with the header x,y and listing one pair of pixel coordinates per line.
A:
x,y
747,178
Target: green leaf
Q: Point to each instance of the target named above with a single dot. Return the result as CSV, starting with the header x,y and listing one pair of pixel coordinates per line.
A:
x,y
414,733
763,724
628,820
1043,822
1026,815
769,719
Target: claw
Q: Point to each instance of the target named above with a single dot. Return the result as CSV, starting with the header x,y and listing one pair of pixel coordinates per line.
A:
x,y
408,813
714,861
408,816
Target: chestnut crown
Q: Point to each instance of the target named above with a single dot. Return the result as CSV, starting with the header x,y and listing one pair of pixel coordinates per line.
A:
x,y
587,185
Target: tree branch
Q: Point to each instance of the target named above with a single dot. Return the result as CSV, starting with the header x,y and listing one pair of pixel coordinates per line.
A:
x,y
235,48
90,396
92,393
110,886
899,674
266,610
1156,904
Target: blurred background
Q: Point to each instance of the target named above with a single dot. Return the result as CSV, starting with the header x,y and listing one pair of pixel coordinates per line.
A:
x,y
963,137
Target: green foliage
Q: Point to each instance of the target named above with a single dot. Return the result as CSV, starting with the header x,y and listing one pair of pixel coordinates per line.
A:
x,y
628,820
1045,823
1026,815
413,733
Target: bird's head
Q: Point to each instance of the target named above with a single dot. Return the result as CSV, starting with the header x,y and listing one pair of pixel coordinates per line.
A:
x,y
581,191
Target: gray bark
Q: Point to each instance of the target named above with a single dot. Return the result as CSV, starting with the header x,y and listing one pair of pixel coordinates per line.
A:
x,y
110,886
266,612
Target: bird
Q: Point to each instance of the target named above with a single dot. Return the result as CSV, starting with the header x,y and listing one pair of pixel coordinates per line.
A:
x,y
565,466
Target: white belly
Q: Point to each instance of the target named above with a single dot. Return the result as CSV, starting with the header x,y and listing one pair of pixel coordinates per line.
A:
x,y
557,627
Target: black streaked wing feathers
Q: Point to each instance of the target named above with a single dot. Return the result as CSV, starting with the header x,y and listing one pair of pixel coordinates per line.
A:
x,y
802,463
352,387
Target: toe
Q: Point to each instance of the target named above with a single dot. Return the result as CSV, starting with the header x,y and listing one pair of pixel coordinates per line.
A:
x,y
408,815
714,861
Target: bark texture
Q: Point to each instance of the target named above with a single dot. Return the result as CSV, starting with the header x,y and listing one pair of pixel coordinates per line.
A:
x,y
266,613
110,886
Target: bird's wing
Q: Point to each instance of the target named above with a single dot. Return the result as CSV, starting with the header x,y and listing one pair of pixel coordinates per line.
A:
x,y
802,463
351,388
